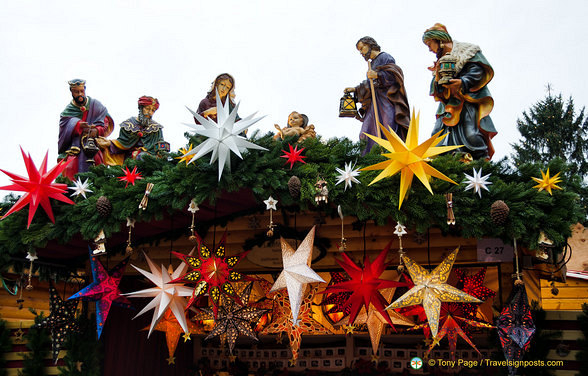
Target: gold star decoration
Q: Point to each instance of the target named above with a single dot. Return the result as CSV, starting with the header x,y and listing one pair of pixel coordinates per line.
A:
x,y
186,337
79,366
349,329
375,358
430,289
292,362
546,182
232,358
183,157
171,360
409,158
279,339
18,335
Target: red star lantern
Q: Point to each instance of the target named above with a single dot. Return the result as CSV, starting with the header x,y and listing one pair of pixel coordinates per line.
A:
x,y
38,187
451,329
293,156
130,176
474,286
334,303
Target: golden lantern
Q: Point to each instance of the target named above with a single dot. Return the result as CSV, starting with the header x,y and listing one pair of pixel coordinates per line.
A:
x,y
348,105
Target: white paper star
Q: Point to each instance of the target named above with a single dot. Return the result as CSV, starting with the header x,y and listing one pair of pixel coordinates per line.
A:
x,y
165,295
193,208
270,203
31,256
131,222
348,175
80,188
297,272
222,137
400,229
477,182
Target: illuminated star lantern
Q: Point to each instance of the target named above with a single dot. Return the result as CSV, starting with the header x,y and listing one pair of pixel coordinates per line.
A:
x,y
410,158
165,295
348,175
270,203
474,286
297,272
222,137
546,182
430,289
293,156
38,187
212,272
80,188
130,176
184,157
477,182
104,290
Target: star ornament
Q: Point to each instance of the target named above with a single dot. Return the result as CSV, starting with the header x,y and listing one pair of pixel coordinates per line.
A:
x,y
430,289
80,188
400,230
409,158
293,156
270,203
130,176
184,158
297,272
546,182
477,182
348,175
223,137
38,187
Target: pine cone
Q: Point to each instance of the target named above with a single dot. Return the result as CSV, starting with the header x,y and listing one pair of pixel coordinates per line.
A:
x,y
499,212
103,206
294,185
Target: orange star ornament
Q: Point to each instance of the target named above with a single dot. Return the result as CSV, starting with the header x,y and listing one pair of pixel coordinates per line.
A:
x,y
409,158
546,182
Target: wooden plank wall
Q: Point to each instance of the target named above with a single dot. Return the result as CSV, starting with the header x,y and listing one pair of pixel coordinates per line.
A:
x,y
570,295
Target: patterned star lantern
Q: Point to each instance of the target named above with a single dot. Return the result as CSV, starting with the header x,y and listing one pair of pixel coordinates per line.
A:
x,y
212,272
61,321
334,302
38,187
409,158
293,156
474,286
104,290
130,176
431,289
546,182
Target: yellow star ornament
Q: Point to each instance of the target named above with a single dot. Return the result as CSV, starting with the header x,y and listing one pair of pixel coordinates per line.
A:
x,y
183,157
409,157
546,182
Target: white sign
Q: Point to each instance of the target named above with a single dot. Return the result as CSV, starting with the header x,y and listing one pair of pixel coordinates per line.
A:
x,y
494,250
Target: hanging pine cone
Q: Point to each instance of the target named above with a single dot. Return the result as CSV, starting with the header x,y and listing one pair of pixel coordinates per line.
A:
x,y
499,212
103,206
294,185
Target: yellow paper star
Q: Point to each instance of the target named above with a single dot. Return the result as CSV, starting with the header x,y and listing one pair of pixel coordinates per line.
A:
x,y
186,337
292,362
409,157
430,289
349,329
546,182
375,358
171,360
183,157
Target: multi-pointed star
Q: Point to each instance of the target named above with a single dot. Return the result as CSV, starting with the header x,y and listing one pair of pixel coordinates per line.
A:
x,y
297,272
546,182
293,156
477,182
349,329
184,157
80,188
348,175
130,176
474,286
409,158
223,137
270,203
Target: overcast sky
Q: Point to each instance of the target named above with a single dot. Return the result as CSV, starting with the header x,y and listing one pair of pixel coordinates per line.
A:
x,y
285,56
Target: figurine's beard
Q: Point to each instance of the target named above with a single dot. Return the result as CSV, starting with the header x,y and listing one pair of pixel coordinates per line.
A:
x,y
143,120
368,54
80,99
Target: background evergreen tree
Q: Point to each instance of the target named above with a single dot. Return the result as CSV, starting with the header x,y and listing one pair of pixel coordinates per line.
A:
x,y
5,346
84,354
39,344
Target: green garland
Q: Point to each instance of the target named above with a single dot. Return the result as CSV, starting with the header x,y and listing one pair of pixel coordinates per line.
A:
x,y
265,173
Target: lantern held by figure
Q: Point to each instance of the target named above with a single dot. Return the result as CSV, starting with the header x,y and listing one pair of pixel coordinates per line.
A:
x,y
348,105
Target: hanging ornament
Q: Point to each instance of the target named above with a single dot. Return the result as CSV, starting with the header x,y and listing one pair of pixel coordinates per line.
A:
x,y
130,176
449,204
145,200
322,192
343,244
270,204
452,329
99,246
294,185
477,182
31,256
348,175
293,156
474,286
547,183
499,212
409,157
80,188
335,302
183,157
400,230
131,226
222,137
103,206
38,187
193,208
297,272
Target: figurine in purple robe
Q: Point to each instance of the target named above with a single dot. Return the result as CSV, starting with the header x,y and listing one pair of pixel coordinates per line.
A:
x,y
224,85
390,94
82,121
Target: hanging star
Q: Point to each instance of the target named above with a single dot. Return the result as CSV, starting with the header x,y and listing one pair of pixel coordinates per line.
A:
x,y
297,272
334,303
193,208
400,230
38,187
409,158
61,321
349,329
19,334
474,286
131,222
130,176
80,188
222,137
293,156
233,319
365,285
431,289
477,182
104,290
165,295
348,175
546,182
212,272
184,157
270,203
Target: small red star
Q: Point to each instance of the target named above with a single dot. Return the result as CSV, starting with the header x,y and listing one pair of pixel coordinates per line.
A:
x,y
293,155
130,176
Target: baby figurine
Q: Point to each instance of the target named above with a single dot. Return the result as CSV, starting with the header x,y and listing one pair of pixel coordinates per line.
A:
x,y
297,126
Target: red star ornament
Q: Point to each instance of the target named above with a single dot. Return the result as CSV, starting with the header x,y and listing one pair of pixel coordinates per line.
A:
x,y
130,176
474,286
38,187
293,156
